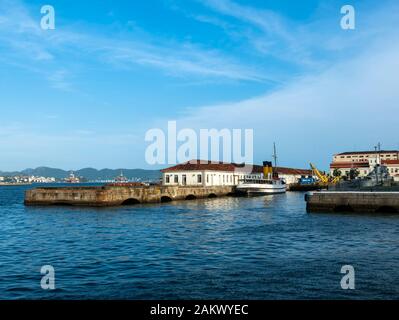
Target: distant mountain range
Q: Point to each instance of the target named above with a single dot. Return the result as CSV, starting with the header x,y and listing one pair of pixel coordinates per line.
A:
x,y
88,173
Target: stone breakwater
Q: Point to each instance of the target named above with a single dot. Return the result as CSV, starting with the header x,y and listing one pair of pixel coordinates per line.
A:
x,y
347,201
120,195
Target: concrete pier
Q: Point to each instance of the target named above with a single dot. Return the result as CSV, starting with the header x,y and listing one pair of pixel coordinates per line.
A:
x,y
349,201
119,195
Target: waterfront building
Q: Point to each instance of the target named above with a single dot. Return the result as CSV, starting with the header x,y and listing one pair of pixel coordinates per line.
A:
x,y
34,179
26,180
207,173
365,161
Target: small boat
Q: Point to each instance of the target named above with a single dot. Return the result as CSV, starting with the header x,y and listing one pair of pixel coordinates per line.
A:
x,y
307,184
268,183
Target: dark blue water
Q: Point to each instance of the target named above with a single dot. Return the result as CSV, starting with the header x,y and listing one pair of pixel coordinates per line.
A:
x,y
226,248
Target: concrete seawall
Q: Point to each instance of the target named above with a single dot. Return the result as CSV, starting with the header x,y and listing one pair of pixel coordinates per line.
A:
x,y
119,195
361,202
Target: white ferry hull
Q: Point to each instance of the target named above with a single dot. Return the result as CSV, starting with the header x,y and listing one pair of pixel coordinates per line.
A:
x,y
259,189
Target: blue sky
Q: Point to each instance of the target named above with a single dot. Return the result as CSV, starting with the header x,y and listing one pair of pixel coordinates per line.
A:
x,y
84,94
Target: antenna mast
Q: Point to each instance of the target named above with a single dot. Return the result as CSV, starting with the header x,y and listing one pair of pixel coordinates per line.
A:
x,y
274,155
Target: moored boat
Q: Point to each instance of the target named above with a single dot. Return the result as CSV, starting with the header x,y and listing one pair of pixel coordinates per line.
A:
x,y
252,186
72,178
268,183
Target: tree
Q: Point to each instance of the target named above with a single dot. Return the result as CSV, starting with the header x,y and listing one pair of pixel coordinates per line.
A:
x,y
353,173
337,172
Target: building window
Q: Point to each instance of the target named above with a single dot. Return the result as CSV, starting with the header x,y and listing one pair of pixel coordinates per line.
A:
x,y
207,178
184,178
199,178
167,178
176,178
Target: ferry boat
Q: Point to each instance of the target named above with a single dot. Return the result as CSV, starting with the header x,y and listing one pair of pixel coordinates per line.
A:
x,y
72,178
252,186
121,179
269,183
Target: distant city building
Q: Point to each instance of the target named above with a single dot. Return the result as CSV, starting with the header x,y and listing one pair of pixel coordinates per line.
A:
x,y
207,173
365,161
26,179
34,179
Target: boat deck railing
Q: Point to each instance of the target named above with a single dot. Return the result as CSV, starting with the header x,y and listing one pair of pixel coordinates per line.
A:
x,y
258,181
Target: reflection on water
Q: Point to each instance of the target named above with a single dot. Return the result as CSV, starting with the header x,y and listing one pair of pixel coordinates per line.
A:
x,y
227,248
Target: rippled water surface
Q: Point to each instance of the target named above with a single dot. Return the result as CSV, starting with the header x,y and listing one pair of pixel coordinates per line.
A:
x,y
226,248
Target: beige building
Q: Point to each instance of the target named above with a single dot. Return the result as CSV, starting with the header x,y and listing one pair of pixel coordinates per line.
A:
x,y
206,173
365,161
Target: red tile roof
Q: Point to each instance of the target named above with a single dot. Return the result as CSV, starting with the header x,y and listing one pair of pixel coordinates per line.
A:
x,y
304,172
283,170
366,152
198,165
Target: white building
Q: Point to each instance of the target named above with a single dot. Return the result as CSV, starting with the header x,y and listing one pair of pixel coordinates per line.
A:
x,y
34,179
365,161
199,173
206,173
393,168
291,175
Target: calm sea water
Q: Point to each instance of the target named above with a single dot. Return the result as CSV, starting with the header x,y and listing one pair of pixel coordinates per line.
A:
x,y
226,248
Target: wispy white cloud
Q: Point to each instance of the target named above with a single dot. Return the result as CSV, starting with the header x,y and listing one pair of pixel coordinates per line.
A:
x,y
344,104
273,34
179,61
267,20
315,44
23,36
24,44
352,104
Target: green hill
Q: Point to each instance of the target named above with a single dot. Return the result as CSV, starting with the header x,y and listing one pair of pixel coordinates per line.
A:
x,y
88,173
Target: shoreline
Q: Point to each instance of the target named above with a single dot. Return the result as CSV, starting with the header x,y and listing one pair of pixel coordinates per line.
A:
x,y
14,184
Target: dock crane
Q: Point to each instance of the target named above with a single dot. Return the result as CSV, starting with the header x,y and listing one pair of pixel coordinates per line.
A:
x,y
324,179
